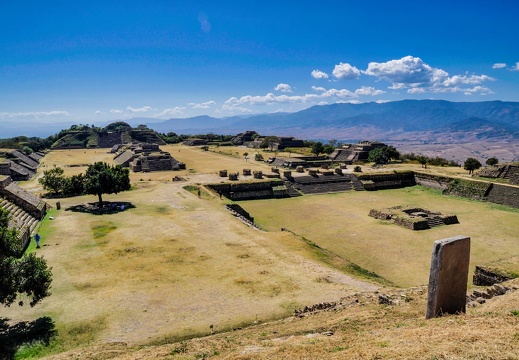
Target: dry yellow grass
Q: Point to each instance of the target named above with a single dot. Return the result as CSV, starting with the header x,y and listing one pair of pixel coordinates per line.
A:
x,y
175,264
339,222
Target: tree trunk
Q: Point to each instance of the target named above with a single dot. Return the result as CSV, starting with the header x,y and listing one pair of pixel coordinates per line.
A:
x,y
100,199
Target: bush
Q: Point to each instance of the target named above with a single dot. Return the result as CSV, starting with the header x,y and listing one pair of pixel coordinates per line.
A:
x,y
357,169
258,157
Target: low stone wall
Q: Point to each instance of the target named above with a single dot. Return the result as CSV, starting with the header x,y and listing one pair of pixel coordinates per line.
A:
x,y
393,180
504,195
484,276
467,188
239,210
432,181
249,190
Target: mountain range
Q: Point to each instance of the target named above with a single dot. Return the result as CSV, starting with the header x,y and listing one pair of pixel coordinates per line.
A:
x,y
383,121
425,120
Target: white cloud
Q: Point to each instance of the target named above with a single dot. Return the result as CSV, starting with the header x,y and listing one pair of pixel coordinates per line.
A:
x,y
116,111
99,112
317,74
34,114
318,88
177,110
515,67
406,70
204,105
138,110
368,90
466,80
345,71
283,88
418,77
498,66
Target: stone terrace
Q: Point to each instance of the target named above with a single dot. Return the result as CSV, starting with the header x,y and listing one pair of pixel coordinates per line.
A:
x,y
318,184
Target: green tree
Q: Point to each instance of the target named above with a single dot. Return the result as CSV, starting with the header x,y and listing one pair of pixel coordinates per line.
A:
x,y
328,149
317,148
471,164
383,155
20,274
269,142
101,178
492,161
53,181
422,160
27,150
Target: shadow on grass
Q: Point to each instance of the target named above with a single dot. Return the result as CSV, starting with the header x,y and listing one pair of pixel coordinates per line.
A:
x,y
107,207
12,337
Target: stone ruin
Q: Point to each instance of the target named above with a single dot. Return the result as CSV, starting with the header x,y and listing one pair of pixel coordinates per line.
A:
x,y
484,276
350,153
508,172
414,218
18,165
141,157
25,209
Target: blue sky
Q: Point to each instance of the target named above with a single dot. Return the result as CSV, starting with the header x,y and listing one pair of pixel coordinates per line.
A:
x,y
93,61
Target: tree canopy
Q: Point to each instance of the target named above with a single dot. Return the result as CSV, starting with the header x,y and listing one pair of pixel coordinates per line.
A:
x,y
317,148
101,178
270,142
471,164
19,274
492,161
383,155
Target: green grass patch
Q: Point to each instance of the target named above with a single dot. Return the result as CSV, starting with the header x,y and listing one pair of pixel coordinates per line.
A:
x,y
102,228
68,337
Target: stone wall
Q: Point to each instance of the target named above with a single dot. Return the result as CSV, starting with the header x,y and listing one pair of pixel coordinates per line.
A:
x,y
475,190
504,195
249,190
393,180
432,181
484,276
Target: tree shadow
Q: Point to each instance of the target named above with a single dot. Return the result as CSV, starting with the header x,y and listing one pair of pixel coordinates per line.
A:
x,y
14,336
107,207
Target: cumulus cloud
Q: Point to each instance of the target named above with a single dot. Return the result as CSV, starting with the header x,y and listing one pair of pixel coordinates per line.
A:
x,y
317,74
413,74
515,67
283,88
33,114
177,110
498,66
138,110
204,105
345,71
368,90
98,112
116,111
318,88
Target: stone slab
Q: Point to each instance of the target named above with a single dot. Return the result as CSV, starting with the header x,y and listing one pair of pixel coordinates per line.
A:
x,y
448,277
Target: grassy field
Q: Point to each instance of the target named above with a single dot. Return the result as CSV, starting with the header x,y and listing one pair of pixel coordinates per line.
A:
x,y
340,223
172,265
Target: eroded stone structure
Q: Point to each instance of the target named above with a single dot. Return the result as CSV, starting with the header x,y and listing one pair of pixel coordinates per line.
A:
x,y
350,153
26,209
147,157
414,218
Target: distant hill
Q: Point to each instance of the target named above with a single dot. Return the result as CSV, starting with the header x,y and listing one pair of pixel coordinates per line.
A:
x,y
79,137
389,120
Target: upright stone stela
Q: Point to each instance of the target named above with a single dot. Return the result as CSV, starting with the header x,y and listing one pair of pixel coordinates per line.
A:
x,y
447,292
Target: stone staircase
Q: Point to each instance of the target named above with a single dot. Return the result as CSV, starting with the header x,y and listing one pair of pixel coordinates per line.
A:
x,y
435,221
21,220
322,184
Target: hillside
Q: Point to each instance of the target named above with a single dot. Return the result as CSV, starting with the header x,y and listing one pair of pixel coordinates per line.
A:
x,y
358,327
345,121
81,137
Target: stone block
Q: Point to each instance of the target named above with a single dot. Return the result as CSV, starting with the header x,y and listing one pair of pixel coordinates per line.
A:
x,y
448,277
